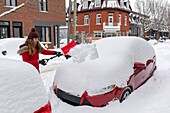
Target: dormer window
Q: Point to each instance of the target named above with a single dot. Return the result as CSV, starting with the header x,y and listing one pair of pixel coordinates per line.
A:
x,y
85,4
97,3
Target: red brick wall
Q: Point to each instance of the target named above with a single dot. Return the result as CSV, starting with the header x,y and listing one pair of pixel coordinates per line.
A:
x,y
104,18
30,12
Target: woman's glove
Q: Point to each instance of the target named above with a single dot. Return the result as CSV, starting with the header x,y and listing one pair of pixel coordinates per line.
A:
x,y
67,56
58,53
43,62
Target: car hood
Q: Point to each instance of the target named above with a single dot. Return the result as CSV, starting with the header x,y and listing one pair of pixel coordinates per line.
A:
x,y
91,75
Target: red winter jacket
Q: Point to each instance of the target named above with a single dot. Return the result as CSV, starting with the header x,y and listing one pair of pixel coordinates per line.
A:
x,y
33,59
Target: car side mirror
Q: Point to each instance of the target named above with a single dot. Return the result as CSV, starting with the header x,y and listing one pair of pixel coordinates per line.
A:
x,y
4,52
138,65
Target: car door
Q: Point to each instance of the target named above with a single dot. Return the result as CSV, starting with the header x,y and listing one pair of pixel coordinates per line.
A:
x,y
139,74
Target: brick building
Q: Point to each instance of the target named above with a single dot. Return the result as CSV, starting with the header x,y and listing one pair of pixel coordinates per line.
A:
x,y
102,18
45,15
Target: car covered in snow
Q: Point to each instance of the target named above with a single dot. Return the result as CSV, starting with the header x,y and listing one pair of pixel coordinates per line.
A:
x,y
10,46
22,89
123,65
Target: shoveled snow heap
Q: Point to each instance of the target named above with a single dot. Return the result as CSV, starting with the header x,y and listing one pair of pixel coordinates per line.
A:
x,y
114,65
22,90
84,51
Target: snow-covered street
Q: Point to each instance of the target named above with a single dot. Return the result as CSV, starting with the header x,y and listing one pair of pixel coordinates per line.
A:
x,y
152,97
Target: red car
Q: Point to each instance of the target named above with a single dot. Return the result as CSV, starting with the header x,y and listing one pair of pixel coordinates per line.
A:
x,y
123,65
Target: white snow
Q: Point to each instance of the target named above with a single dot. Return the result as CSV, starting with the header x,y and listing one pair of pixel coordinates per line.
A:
x,y
12,46
12,10
80,74
22,90
152,97
83,51
113,4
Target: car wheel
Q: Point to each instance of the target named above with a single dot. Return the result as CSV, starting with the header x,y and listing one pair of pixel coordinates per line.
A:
x,y
125,94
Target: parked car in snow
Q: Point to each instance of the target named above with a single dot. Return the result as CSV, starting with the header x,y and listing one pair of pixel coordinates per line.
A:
x,y
11,46
22,89
123,65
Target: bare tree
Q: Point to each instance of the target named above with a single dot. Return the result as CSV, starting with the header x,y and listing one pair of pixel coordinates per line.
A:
x,y
167,19
156,9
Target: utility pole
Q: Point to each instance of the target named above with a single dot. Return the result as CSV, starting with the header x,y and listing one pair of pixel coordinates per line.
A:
x,y
69,20
74,19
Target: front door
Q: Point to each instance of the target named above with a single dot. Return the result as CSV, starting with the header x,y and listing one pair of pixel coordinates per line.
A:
x,y
110,19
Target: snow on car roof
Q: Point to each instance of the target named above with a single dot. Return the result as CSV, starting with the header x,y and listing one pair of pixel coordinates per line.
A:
x,y
114,65
22,90
12,46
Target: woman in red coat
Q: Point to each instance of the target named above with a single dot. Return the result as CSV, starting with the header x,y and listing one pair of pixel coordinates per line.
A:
x,y
31,48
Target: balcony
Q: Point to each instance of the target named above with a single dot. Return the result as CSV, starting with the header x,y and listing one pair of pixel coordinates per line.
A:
x,y
111,27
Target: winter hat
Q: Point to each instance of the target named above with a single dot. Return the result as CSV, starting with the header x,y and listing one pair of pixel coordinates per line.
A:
x,y
33,34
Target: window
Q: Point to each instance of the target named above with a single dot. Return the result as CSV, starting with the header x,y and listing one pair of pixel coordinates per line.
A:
x,y
97,3
4,29
44,33
17,29
86,20
125,20
120,18
11,2
98,19
98,34
43,5
85,4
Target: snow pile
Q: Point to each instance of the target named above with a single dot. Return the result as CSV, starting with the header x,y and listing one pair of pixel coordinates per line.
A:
x,y
153,41
113,66
22,90
83,51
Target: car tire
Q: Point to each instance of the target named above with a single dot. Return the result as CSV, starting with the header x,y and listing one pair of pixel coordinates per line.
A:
x,y
125,94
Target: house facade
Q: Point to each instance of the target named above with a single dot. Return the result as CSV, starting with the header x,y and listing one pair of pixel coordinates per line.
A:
x,y
45,15
102,18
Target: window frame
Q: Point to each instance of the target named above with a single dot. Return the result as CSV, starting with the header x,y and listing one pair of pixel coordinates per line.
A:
x,y
85,4
98,34
86,19
125,23
97,3
98,19
17,25
42,31
43,5
10,3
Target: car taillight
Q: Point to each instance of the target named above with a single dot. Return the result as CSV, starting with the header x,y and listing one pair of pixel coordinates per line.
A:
x,y
45,109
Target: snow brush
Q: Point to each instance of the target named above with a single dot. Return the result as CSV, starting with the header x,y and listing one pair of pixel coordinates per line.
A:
x,y
65,51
